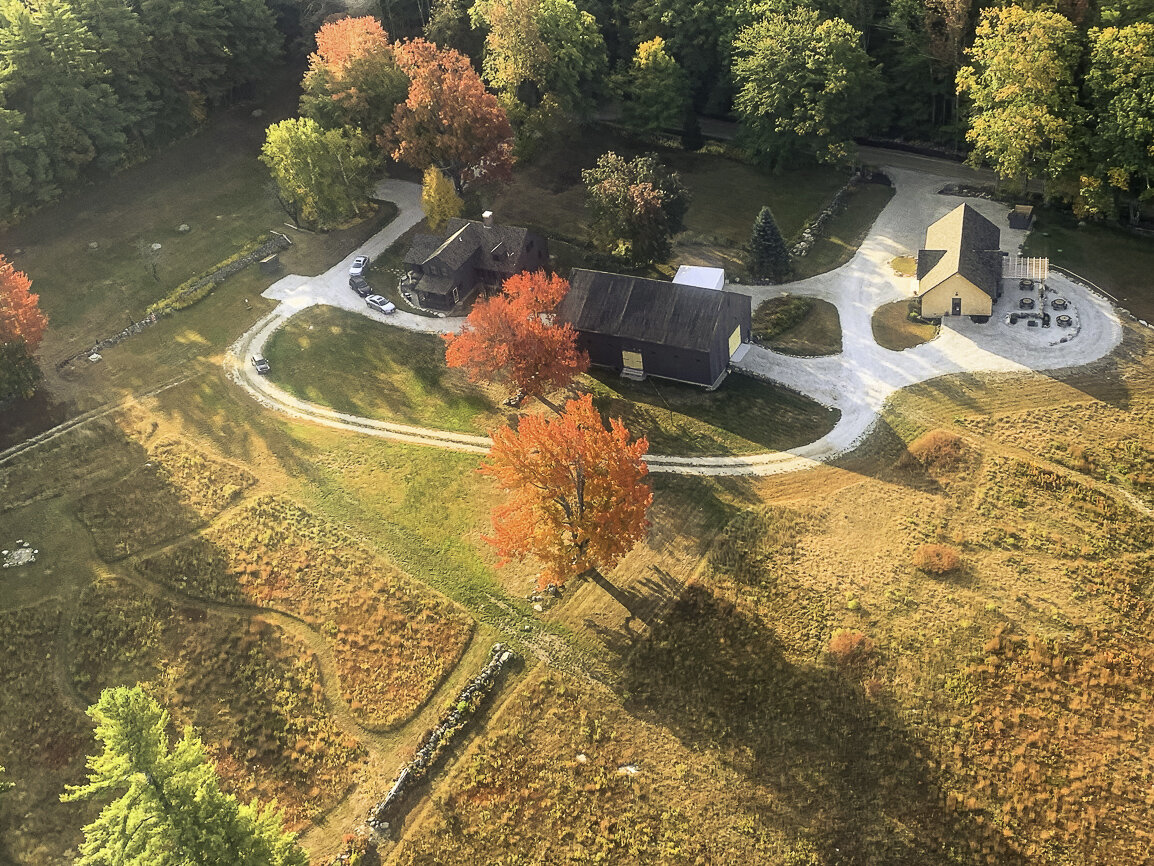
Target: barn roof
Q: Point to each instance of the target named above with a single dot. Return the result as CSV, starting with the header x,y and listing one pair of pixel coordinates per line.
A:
x,y
962,242
637,308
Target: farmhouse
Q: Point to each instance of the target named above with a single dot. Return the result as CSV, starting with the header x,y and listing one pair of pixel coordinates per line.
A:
x,y
960,269
650,327
446,273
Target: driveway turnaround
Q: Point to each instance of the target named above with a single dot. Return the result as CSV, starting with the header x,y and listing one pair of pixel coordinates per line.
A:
x,y
857,382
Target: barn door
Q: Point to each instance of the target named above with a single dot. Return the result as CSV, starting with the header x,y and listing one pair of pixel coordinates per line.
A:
x,y
734,340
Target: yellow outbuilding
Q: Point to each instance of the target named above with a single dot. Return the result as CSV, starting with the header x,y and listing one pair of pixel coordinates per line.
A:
x,y
960,269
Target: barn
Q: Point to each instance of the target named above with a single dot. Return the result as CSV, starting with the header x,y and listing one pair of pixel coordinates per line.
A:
x,y
960,269
643,327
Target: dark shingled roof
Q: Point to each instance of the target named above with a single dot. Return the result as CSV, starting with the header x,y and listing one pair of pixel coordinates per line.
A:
x,y
641,309
501,248
962,242
431,284
422,247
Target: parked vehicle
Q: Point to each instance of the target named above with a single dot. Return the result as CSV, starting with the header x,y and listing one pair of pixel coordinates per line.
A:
x,y
381,304
261,364
361,286
360,263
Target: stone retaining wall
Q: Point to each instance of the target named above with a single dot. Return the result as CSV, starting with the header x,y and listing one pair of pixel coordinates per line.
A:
x,y
275,244
468,701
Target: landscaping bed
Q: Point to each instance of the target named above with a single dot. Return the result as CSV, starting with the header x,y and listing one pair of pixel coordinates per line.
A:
x,y
798,325
168,496
44,743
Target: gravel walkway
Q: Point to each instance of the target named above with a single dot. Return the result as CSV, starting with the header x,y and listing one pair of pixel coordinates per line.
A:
x,y
857,381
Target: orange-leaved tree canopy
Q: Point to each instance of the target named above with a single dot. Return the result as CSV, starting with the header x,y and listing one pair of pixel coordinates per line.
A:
x,y
20,316
341,42
449,119
353,79
515,336
578,496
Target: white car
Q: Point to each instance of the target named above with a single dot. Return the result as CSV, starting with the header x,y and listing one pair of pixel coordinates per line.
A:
x,y
261,364
381,304
357,268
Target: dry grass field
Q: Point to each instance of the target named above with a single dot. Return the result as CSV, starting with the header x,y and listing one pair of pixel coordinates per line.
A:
x,y
938,652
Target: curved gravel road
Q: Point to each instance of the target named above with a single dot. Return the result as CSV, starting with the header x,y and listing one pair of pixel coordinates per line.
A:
x,y
857,381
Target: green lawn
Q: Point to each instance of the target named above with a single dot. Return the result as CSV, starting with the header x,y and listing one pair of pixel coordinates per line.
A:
x,y
845,231
211,181
367,368
548,193
893,329
1119,261
356,365
743,416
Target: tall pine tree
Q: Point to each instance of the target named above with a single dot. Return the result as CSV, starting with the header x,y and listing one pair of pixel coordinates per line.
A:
x,y
170,810
768,257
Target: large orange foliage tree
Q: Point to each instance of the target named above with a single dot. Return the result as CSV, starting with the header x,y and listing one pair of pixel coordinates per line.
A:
x,y
449,119
21,329
515,336
578,496
353,78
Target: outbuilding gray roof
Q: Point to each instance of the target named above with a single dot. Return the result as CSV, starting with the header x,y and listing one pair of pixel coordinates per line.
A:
x,y
645,310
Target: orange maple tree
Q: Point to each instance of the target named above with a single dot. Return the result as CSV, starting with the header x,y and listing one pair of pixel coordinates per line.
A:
x,y
515,336
578,496
449,119
341,42
20,316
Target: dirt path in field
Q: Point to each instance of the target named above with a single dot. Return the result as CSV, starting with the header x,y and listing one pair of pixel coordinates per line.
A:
x,y
857,382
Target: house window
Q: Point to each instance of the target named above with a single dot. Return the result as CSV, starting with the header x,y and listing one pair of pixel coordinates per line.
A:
x,y
632,360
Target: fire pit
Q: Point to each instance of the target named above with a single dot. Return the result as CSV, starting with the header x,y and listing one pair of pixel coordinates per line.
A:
x,y
1064,321
1059,303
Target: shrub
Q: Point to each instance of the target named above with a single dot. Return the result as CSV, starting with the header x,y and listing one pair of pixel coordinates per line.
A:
x,y
936,559
850,647
937,450
778,315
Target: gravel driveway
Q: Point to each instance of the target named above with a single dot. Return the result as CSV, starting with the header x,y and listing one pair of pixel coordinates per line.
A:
x,y
857,381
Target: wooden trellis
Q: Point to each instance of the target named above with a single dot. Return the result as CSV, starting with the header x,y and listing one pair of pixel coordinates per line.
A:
x,y
1022,268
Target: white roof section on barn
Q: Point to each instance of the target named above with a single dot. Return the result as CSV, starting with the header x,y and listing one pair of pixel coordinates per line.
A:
x,y
703,278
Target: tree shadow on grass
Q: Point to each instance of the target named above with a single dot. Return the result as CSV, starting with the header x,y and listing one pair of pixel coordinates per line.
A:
x,y
833,766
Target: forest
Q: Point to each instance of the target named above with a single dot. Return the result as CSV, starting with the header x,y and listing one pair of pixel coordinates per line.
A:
x,y
1060,92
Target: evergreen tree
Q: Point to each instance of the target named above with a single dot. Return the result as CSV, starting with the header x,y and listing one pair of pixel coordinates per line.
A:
x,y
170,810
691,138
768,256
